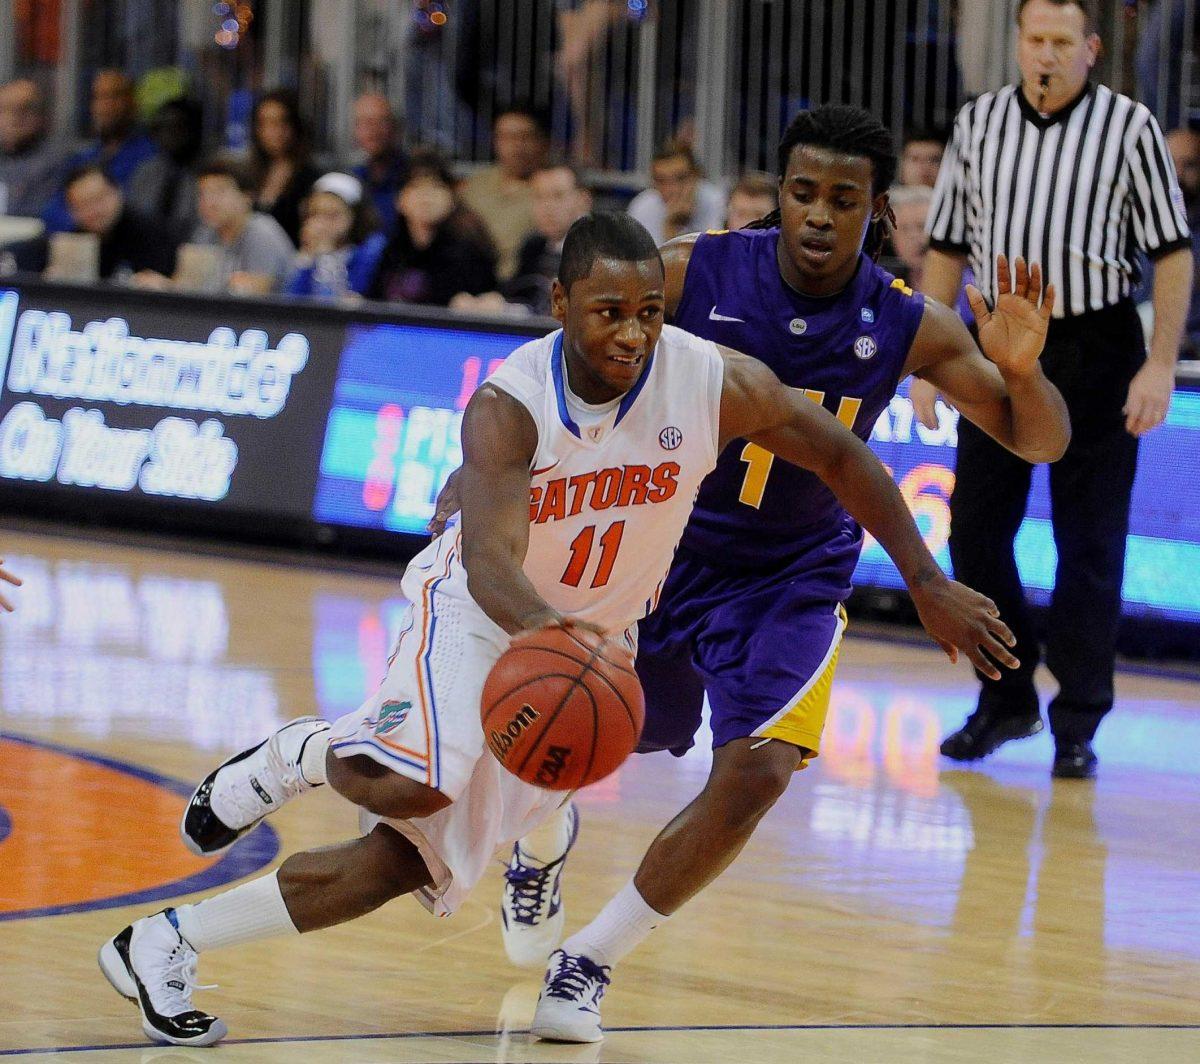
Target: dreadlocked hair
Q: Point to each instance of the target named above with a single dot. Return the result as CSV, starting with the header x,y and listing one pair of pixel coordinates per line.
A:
x,y
851,131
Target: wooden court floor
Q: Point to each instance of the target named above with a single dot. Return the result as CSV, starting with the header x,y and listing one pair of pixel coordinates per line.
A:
x,y
889,909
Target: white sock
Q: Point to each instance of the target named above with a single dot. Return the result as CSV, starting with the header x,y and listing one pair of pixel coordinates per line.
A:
x,y
252,911
312,757
623,924
549,840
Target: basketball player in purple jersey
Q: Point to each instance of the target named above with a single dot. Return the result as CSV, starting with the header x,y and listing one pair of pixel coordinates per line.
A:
x,y
751,612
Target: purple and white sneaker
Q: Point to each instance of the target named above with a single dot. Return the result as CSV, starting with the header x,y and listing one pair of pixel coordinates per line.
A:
x,y
531,908
568,1009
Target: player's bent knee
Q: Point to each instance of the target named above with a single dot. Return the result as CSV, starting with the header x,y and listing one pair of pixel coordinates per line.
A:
x,y
751,780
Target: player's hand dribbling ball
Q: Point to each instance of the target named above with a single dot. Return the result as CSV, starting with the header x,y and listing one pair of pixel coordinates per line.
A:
x,y
562,708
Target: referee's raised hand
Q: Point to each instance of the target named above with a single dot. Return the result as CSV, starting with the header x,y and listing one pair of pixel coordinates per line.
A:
x,y
1013,332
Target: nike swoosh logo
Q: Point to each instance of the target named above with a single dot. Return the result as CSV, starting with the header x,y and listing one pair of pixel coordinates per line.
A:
x,y
546,469
714,316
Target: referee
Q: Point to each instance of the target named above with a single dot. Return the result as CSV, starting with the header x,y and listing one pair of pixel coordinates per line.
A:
x,y
1077,177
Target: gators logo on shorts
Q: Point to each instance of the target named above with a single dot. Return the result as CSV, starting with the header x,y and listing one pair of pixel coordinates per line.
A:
x,y
391,716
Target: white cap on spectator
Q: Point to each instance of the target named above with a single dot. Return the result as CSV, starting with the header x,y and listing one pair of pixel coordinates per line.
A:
x,y
345,187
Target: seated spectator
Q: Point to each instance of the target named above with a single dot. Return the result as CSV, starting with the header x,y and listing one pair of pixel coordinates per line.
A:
x,y
438,247
754,196
377,137
910,205
256,254
340,244
120,146
30,167
921,158
280,161
500,194
165,184
130,241
679,200
910,242
559,198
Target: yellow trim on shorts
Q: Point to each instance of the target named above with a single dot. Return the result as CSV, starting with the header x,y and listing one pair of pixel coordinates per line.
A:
x,y
802,720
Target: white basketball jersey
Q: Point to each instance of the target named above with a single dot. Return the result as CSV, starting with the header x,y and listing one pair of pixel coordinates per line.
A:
x,y
607,504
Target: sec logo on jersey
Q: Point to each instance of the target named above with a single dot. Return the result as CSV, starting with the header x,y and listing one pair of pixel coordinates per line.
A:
x,y
670,438
865,347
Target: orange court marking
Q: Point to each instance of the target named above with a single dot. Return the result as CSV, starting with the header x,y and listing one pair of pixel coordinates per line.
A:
x,y
82,832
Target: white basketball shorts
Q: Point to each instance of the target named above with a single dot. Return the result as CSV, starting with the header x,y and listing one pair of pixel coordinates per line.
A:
x,y
423,723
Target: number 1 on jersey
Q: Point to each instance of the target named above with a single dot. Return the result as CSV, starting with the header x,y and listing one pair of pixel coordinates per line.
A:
x,y
759,460
581,552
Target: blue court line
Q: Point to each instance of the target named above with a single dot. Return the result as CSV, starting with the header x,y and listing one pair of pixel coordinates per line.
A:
x,y
247,855
396,1036
5,823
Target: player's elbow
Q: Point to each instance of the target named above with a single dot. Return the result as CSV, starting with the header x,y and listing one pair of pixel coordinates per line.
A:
x,y
1050,448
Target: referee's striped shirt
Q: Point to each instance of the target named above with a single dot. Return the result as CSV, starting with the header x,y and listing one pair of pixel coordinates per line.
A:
x,y
1078,192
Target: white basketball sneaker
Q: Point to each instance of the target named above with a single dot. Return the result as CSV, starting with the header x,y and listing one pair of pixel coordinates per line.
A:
x,y
240,792
531,908
568,1009
152,964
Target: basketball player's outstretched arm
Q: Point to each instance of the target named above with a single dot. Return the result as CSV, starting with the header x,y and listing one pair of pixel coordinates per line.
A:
x,y
1005,393
499,440
756,406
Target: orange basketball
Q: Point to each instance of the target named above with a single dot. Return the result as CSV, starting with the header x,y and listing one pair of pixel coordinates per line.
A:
x,y
562,708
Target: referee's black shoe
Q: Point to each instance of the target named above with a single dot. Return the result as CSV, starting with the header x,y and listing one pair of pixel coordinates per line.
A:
x,y
1074,759
985,730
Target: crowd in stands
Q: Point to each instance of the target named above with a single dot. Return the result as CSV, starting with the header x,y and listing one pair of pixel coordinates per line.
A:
x,y
145,205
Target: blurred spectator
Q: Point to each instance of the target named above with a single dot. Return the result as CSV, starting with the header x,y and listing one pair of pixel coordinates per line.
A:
x,y
130,241
500,194
120,146
280,160
921,158
589,31
256,252
679,200
29,166
377,137
910,242
438,247
910,204
340,244
753,196
559,198
165,184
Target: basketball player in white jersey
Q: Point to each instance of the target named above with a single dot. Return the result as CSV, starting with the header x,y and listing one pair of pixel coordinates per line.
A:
x,y
608,425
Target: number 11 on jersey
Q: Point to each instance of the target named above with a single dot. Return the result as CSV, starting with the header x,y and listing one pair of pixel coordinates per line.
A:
x,y
581,552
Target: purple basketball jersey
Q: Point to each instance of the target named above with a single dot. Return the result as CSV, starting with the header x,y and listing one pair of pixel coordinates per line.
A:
x,y
847,351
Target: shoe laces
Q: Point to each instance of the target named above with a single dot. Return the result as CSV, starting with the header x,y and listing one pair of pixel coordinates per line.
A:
x,y
577,977
528,884
527,887
178,980
279,778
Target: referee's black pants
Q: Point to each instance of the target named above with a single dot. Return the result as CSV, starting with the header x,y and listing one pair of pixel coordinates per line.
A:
x,y
1091,359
